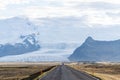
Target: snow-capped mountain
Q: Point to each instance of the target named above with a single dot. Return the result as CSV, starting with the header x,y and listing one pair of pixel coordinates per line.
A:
x,y
18,36
55,35
17,30
11,29
29,44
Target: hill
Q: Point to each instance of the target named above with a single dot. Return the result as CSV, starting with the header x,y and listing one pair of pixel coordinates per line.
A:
x,y
93,50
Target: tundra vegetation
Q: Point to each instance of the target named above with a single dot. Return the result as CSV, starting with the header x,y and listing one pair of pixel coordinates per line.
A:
x,y
104,71
23,71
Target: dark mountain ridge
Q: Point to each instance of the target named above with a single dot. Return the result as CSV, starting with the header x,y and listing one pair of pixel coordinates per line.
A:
x,y
93,50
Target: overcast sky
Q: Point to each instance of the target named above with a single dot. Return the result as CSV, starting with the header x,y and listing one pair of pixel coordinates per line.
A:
x,y
105,12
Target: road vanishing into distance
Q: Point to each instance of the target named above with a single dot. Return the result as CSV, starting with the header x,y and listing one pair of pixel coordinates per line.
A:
x,y
64,72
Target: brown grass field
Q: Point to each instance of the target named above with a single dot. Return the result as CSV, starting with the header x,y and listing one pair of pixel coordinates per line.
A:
x,y
26,71
19,71
102,71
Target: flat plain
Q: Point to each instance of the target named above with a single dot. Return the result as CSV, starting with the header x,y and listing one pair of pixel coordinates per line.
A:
x,y
22,71
26,71
104,71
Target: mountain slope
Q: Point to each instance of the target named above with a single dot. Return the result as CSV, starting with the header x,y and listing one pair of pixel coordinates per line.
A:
x,y
29,44
93,50
19,42
18,36
56,35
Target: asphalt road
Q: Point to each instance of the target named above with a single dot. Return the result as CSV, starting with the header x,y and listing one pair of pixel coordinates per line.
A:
x,y
67,73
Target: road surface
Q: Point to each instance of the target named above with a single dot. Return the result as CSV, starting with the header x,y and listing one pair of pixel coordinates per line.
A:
x,y
63,72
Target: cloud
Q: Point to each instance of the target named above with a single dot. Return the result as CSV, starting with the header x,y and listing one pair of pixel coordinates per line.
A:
x,y
105,12
50,11
93,15
5,3
98,5
80,1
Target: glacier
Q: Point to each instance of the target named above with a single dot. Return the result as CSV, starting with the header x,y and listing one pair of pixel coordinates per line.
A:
x,y
37,56
58,37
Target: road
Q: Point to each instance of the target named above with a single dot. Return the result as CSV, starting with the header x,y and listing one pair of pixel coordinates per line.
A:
x,y
63,72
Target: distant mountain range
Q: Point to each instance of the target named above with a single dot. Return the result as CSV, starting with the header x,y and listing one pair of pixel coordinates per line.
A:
x,y
93,50
29,44
22,40
55,38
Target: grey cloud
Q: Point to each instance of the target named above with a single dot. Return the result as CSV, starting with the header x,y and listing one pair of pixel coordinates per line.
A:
x,y
98,5
112,14
65,21
56,4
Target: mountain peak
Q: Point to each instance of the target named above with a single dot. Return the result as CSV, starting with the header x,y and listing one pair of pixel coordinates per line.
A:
x,y
94,50
89,39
